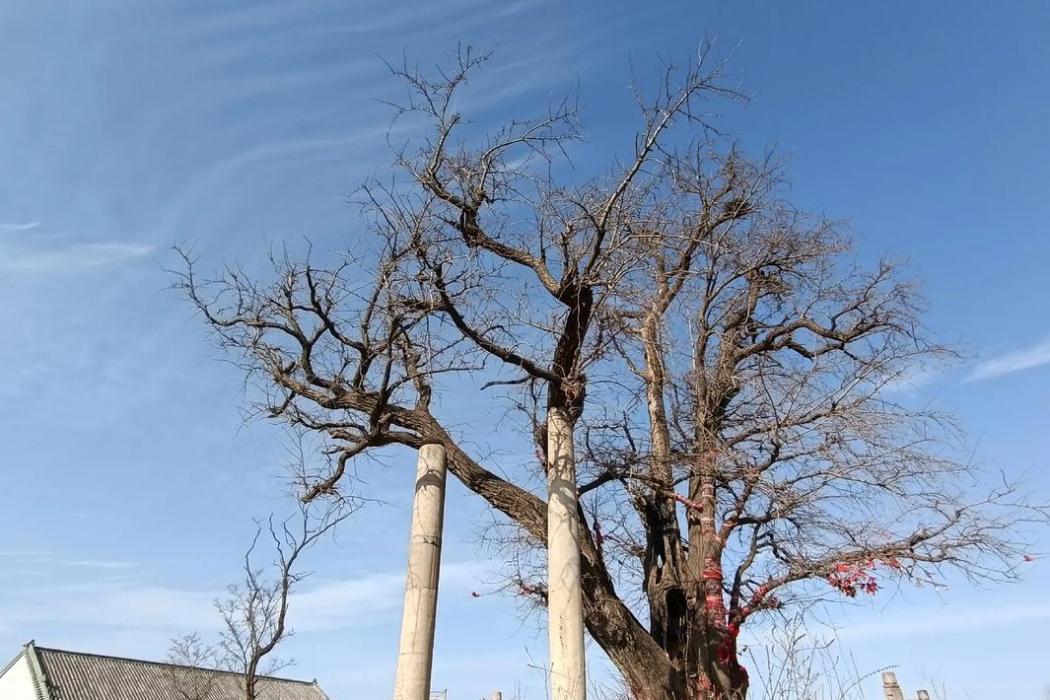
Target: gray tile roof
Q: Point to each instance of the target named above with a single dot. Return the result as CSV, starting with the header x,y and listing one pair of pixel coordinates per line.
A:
x,y
71,675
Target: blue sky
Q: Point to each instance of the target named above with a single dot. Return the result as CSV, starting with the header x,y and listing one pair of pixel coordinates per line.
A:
x,y
128,478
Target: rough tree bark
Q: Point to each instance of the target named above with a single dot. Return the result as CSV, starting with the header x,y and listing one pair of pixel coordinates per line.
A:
x,y
724,369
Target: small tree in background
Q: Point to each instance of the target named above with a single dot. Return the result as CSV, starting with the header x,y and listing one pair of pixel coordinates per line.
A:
x,y
254,613
191,673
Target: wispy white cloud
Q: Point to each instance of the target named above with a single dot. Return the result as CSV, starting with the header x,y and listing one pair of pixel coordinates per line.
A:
x,y
944,622
100,564
47,559
339,604
912,379
69,257
111,603
948,622
128,603
1016,361
18,226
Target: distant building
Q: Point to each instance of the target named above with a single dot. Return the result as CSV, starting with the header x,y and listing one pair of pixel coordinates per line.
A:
x,y
38,673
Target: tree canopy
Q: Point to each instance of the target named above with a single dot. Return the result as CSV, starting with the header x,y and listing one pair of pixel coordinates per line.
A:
x,y
726,363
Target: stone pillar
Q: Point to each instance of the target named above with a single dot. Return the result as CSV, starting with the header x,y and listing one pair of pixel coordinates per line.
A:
x,y
564,597
923,695
890,688
416,653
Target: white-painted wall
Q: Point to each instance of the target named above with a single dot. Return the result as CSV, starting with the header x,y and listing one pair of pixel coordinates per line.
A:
x,y
16,683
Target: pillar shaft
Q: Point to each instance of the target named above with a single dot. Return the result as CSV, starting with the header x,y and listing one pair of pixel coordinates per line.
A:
x,y
891,689
416,652
564,597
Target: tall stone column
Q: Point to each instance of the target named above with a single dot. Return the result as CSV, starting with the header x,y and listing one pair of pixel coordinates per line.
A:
x,y
416,653
564,597
891,689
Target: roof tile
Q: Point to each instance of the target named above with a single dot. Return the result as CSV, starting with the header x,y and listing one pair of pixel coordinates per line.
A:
x,y
77,676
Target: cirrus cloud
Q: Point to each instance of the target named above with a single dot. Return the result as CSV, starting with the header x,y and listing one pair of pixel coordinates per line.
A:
x,y
69,257
19,226
1015,361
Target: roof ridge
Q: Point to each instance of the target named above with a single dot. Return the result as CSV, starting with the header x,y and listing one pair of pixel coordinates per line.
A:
x,y
167,663
37,673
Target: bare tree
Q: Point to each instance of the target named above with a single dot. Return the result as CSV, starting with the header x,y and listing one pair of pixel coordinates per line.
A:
x,y
796,663
721,365
254,612
191,673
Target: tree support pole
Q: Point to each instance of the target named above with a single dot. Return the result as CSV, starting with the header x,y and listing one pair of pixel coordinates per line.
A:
x,y
416,653
891,689
564,596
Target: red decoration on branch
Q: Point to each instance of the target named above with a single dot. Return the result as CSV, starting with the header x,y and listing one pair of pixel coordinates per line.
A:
x,y
529,589
851,578
688,503
760,600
